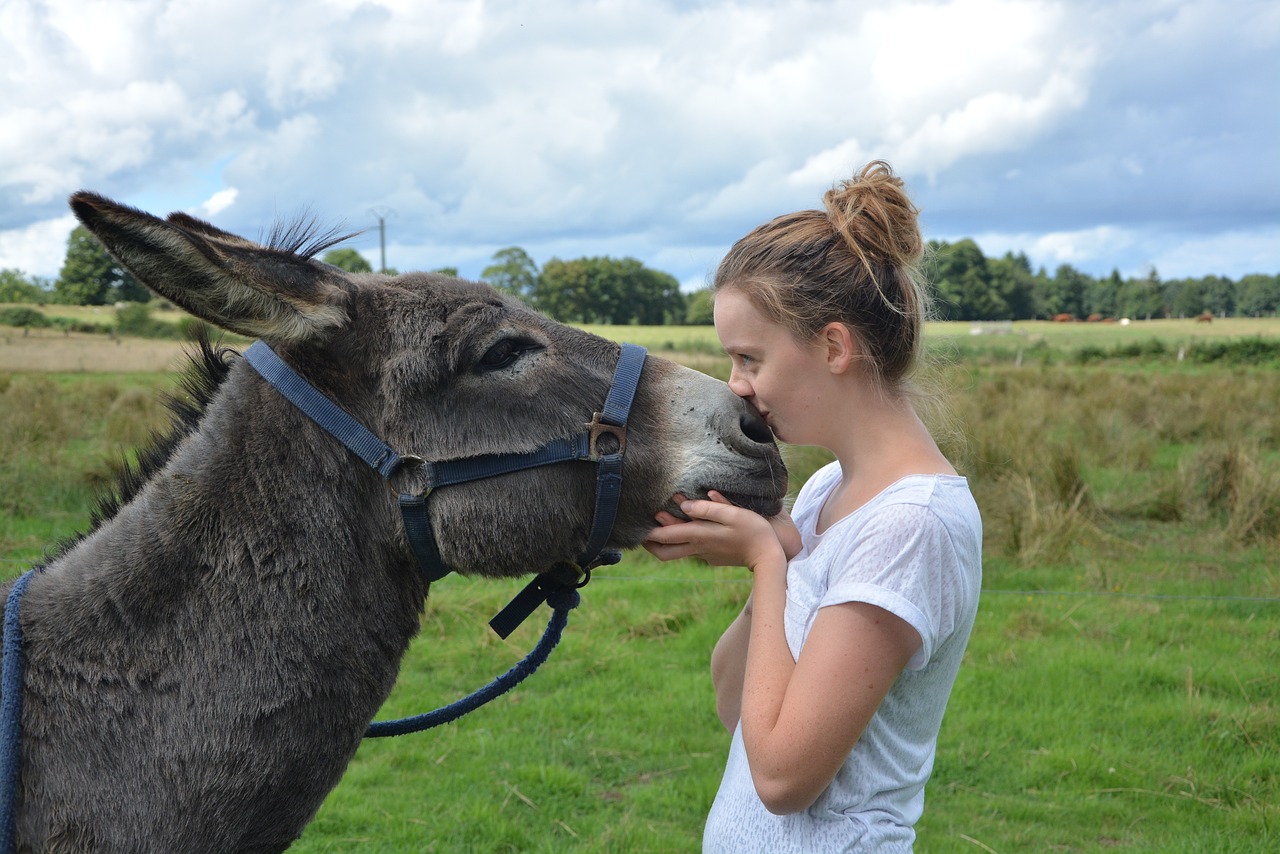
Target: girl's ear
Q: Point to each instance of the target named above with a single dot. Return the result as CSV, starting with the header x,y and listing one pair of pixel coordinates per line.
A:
x,y
841,346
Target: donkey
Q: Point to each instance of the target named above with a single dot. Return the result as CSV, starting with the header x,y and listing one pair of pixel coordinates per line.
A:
x,y
201,666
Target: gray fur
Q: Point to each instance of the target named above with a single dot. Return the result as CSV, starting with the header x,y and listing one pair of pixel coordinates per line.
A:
x,y
202,665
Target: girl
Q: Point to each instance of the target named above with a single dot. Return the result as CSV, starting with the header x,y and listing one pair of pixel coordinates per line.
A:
x,y
835,675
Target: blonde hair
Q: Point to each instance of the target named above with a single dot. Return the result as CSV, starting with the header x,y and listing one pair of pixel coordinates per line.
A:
x,y
857,262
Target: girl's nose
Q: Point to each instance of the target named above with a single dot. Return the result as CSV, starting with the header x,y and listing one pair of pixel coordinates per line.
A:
x,y
738,385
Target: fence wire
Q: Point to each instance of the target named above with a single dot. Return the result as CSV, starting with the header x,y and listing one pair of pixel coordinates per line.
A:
x,y
986,591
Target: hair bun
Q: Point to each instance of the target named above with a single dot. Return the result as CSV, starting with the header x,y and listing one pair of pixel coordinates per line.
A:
x,y
876,218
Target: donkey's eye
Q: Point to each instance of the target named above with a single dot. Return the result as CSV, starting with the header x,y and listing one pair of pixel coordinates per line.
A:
x,y
505,352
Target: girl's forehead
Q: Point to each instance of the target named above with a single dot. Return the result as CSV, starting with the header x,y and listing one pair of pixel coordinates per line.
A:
x,y
735,307
737,317
742,325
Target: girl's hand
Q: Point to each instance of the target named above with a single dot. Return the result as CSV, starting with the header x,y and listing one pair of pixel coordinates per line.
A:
x,y
719,532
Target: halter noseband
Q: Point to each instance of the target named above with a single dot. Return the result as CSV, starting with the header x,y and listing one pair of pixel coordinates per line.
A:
x,y
610,421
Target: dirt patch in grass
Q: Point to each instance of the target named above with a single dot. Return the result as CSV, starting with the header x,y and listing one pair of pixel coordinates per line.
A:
x,y
45,350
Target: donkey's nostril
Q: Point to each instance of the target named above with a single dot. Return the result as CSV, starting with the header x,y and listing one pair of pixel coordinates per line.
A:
x,y
754,428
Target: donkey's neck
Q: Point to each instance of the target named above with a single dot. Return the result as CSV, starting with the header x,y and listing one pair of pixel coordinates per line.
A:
x,y
258,497
254,598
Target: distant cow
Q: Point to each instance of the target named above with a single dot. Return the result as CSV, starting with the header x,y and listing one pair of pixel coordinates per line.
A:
x,y
1205,317
1064,318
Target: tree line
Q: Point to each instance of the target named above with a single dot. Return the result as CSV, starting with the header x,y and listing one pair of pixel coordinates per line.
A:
x,y
966,285
583,290
618,291
969,286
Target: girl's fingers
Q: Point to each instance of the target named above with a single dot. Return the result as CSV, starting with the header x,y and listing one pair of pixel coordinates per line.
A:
x,y
665,535
713,511
664,551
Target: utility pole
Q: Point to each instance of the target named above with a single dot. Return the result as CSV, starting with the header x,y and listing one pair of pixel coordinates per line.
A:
x,y
382,214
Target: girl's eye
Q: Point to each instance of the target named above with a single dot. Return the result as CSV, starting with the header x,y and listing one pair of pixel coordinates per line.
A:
x,y
504,353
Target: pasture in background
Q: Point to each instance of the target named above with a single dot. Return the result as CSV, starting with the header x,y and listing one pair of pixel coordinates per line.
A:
x,y
1119,692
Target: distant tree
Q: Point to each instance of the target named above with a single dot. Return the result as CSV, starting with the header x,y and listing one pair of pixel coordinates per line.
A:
x,y
563,290
1184,297
656,299
16,287
447,271
90,276
1102,296
1258,295
513,272
1066,291
1012,279
964,285
347,259
608,290
1143,297
1219,295
699,308
128,289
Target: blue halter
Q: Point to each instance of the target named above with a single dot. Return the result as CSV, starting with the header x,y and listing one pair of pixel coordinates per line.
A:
x,y
557,587
610,421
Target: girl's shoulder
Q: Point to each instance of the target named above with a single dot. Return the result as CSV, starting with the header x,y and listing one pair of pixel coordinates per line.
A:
x,y
928,500
944,497
925,489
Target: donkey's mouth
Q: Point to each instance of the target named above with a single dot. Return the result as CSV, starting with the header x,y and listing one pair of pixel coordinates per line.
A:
x,y
766,506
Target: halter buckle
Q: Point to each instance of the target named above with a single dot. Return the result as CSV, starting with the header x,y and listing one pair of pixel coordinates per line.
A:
x,y
597,430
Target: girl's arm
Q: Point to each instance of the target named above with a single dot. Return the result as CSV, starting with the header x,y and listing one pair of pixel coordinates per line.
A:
x,y
729,666
800,719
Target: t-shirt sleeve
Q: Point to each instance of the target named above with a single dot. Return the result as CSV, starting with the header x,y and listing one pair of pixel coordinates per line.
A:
x,y
903,560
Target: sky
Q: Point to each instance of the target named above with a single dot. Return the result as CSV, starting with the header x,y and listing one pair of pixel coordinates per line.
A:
x,y
1101,134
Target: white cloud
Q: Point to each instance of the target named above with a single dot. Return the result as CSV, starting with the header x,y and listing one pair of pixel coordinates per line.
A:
x,y
1084,248
37,249
1079,247
988,123
219,201
825,168
1232,253
657,130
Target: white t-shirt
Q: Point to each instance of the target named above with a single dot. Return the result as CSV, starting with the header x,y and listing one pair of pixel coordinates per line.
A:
x,y
916,551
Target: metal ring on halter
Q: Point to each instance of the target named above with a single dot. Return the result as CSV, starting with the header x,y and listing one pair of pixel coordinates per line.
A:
x,y
409,464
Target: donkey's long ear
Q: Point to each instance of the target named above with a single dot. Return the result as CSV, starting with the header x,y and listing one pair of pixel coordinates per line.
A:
x,y
229,281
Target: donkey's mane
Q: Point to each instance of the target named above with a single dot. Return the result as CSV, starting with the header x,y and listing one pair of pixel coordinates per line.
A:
x,y
305,236
207,367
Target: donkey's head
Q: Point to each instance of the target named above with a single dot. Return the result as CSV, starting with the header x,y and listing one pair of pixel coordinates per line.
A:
x,y
444,369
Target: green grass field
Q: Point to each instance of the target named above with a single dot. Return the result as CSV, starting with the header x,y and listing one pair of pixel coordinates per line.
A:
x,y
1119,692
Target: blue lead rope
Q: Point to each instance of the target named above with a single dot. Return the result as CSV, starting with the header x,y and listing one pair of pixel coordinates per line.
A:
x,y
11,709
562,602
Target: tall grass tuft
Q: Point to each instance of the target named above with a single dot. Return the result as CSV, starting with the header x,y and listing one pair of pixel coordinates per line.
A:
x,y
1055,454
1232,484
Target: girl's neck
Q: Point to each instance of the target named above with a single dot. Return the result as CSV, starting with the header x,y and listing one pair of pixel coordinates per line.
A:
x,y
883,441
